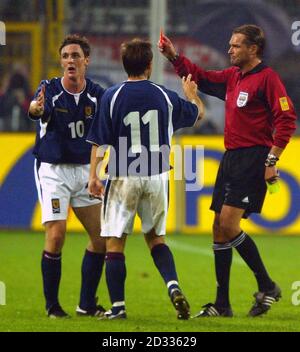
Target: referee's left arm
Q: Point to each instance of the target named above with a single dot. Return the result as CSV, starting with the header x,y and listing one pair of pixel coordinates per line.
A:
x,y
284,121
282,111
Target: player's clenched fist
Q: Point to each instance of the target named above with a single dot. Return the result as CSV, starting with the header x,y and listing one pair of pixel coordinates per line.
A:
x,y
96,188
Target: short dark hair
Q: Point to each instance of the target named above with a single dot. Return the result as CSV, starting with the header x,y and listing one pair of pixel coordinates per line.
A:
x,y
76,39
254,35
136,56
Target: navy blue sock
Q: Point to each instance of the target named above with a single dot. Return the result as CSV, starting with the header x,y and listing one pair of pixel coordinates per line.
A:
x,y
249,252
51,271
115,271
223,260
164,261
91,270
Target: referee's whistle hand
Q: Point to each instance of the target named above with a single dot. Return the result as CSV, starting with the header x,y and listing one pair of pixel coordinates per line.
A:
x,y
271,174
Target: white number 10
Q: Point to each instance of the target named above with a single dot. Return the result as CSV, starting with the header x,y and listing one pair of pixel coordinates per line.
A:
x,y
133,119
77,129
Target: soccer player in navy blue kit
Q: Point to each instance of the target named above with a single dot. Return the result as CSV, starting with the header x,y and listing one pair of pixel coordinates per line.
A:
x,y
137,119
259,121
64,109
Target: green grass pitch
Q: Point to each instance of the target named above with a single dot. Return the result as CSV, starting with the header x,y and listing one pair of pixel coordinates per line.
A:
x,y
147,303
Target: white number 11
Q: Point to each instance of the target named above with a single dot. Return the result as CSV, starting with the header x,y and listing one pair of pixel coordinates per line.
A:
x,y
133,119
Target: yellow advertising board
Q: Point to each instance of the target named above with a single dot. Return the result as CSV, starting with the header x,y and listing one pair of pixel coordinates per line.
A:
x,y
190,194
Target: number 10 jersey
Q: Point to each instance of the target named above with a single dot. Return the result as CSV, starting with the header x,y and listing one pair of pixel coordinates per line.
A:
x,y
62,129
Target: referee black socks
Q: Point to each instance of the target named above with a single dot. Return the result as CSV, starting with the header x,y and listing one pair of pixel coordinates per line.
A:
x,y
250,254
223,259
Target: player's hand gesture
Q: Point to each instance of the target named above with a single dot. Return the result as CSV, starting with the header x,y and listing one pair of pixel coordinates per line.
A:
x,y
166,47
96,188
189,87
37,106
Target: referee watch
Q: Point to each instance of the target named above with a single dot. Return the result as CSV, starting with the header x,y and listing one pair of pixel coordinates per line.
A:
x,y
271,160
174,58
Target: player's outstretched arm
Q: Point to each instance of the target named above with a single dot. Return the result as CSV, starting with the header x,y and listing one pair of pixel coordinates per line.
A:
x,y
37,106
190,90
166,47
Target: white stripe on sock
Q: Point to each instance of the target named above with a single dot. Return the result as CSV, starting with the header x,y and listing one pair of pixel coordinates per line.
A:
x,y
52,258
239,240
173,282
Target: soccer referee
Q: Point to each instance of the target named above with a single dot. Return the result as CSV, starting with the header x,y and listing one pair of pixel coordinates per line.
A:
x,y
259,121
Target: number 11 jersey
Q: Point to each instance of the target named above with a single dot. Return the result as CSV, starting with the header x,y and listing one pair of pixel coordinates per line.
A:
x,y
137,119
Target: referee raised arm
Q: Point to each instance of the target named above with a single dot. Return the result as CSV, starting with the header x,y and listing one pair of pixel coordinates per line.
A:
x,y
259,121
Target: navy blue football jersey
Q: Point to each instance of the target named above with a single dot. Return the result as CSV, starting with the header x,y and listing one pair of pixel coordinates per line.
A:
x,y
62,130
138,118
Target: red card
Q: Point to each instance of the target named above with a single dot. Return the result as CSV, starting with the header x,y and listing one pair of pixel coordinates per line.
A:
x,y
161,36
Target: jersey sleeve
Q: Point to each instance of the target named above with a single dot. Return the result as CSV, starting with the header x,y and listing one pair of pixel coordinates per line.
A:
x,y
209,82
100,132
99,93
282,109
48,101
185,114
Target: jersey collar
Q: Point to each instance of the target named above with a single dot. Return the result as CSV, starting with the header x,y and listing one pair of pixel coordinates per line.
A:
x,y
261,66
75,94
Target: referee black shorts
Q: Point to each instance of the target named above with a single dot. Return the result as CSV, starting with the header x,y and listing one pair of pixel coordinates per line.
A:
x,y
240,181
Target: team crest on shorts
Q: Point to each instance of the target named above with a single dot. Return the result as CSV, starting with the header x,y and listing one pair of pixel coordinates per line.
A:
x,y
88,112
55,205
242,99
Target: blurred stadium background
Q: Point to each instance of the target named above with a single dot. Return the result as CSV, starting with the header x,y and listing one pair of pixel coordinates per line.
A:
x,y
201,29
